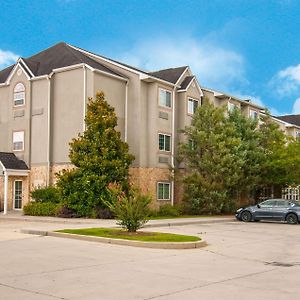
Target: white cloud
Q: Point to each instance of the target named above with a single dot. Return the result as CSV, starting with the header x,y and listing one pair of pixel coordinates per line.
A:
x,y
296,107
7,57
215,66
287,81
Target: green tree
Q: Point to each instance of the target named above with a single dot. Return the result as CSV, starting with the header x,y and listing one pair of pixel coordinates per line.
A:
x,y
100,157
209,155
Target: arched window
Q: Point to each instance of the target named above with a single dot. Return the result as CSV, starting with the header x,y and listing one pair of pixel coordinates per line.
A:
x,y
19,94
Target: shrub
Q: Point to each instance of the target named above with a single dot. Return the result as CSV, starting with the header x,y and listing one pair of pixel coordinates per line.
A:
x,y
104,213
46,194
40,209
169,211
131,211
65,212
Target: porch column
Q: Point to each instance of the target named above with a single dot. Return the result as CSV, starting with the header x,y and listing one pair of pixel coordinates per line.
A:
x,y
5,193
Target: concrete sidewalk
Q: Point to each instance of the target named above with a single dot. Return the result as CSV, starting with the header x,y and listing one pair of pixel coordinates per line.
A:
x,y
82,222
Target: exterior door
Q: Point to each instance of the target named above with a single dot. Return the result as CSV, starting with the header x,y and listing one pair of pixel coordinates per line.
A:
x,y
18,185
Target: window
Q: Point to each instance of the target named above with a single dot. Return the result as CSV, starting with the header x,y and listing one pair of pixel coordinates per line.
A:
x,y
18,141
164,142
297,133
192,106
163,191
192,145
268,203
19,94
231,106
253,114
164,98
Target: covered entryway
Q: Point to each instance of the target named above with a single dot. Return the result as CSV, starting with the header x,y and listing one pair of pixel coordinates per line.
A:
x,y
13,182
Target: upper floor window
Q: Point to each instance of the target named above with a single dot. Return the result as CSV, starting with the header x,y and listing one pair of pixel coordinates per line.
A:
x,y
19,94
18,141
192,105
253,114
232,106
164,142
165,98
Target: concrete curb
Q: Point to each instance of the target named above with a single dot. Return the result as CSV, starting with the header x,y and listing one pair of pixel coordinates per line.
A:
x,y
95,222
153,245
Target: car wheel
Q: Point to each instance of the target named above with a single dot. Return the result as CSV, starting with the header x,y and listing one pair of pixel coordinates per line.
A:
x,y
246,216
291,219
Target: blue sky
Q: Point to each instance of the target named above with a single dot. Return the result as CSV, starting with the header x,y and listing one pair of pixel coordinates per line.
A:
x,y
247,48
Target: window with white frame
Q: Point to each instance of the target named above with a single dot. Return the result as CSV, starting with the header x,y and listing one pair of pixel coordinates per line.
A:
x,y
164,142
231,106
253,114
18,141
165,98
163,191
192,105
19,94
297,133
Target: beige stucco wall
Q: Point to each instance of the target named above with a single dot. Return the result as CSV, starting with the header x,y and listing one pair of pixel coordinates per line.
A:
x,y
9,121
115,91
39,121
67,112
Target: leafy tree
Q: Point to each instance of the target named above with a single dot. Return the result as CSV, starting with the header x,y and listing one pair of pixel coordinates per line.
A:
x,y
210,157
100,157
250,151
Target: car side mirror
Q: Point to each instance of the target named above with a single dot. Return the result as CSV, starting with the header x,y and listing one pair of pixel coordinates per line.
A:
x,y
258,206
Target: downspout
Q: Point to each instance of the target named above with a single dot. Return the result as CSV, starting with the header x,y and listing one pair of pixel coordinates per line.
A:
x,y
49,131
126,111
84,96
173,147
5,192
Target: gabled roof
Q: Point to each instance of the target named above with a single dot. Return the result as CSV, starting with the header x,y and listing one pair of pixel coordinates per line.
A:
x,y
58,56
5,73
186,82
11,162
172,75
292,119
221,95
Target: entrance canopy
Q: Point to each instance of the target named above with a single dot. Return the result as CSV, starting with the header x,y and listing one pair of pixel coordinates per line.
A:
x,y
10,165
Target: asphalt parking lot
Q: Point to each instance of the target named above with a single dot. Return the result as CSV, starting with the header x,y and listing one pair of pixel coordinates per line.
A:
x,y
242,261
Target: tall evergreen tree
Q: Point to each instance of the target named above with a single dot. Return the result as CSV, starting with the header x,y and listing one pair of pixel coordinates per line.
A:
x,y
100,157
209,154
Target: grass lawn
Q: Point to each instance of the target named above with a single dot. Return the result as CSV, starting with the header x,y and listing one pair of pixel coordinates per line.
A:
x,y
137,236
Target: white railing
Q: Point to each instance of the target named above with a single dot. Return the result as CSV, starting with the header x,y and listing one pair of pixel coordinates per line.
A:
x,y
291,193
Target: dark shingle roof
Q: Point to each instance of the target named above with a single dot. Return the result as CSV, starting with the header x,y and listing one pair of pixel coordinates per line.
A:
x,y
185,83
10,161
5,73
58,56
293,119
171,75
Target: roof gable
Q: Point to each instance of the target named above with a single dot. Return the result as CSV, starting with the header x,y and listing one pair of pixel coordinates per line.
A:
x,y
58,56
11,162
172,75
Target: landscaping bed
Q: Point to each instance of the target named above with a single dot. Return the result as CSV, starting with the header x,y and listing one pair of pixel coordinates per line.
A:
x,y
142,236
